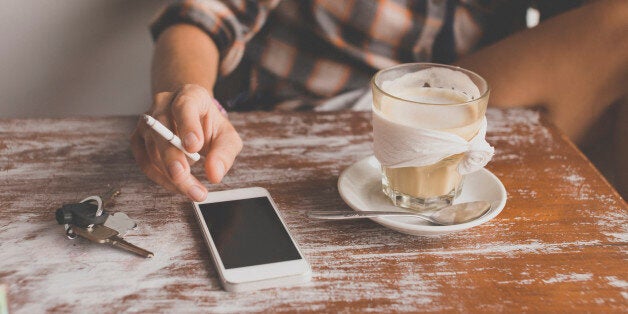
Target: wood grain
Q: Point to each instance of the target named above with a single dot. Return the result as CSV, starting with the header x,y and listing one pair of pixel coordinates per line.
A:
x,y
560,245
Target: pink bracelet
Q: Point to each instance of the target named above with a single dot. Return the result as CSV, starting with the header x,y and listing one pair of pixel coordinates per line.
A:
x,y
220,108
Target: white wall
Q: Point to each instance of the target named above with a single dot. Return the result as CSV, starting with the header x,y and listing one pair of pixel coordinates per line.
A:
x,y
75,57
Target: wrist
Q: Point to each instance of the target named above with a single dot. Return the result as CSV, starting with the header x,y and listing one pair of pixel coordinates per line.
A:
x,y
222,109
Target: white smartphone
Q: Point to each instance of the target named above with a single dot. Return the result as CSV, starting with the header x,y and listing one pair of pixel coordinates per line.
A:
x,y
248,241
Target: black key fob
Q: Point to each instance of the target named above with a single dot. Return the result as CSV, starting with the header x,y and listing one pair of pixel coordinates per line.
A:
x,y
80,214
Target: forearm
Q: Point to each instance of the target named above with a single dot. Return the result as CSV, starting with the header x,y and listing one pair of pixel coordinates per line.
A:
x,y
184,54
574,64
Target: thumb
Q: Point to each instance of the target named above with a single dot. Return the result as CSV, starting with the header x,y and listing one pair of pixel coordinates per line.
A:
x,y
225,147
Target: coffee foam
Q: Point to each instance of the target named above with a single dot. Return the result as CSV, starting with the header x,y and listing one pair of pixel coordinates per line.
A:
x,y
434,78
439,117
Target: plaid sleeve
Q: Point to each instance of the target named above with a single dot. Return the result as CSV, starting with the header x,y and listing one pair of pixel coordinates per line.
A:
x,y
229,23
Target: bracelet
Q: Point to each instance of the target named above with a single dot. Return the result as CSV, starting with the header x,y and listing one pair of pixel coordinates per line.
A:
x,y
220,108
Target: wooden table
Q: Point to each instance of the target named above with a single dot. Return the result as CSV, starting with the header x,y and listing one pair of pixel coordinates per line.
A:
x,y
560,244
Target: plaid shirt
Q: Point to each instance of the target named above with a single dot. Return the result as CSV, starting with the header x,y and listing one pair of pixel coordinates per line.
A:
x,y
321,54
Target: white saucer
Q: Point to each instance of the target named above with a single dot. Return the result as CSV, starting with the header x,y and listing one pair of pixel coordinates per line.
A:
x,y
361,188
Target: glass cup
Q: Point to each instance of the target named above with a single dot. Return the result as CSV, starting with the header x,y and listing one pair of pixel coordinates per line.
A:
x,y
448,107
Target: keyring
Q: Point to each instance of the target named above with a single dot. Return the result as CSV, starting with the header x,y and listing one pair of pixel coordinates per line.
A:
x,y
98,200
69,233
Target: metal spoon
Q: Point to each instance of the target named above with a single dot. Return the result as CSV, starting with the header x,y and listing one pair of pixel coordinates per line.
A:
x,y
450,215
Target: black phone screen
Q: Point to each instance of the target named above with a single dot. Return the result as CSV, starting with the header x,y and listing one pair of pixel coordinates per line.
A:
x,y
248,232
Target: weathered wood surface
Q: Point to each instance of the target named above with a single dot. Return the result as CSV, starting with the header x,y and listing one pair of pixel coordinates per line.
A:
x,y
560,245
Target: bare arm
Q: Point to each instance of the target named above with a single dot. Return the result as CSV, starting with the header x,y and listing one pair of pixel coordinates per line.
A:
x,y
183,54
574,64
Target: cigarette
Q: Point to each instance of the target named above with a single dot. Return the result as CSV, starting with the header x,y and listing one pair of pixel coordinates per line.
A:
x,y
169,136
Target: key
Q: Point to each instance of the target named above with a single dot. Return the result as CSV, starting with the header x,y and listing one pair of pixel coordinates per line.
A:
x,y
120,222
102,234
108,198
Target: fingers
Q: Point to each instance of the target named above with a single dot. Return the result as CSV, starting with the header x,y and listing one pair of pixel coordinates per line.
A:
x,y
154,157
188,109
139,152
225,146
177,167
155,143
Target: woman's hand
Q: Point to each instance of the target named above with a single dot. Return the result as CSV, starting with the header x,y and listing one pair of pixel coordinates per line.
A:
x,y
193,116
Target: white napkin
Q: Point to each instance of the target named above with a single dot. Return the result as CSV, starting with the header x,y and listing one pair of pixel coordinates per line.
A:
x,y
397,145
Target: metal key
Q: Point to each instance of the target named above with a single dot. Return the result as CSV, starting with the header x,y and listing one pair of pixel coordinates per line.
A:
x,y
102,234
108,198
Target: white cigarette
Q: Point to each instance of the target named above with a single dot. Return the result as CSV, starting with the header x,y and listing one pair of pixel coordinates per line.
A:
x,y
169,136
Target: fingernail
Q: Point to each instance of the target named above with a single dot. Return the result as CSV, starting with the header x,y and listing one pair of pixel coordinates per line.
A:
x,y
196,193
175,168
190,140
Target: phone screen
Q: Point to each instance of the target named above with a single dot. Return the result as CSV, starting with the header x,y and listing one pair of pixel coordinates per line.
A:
x,y
248,232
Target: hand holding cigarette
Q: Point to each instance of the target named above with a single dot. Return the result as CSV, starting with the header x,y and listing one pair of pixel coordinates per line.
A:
x,y
185,123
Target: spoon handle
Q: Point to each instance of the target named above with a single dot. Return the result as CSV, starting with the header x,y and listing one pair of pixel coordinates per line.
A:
x,y
343,214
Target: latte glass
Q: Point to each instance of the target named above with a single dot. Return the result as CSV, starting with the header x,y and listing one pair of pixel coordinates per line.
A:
x,y
444,107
